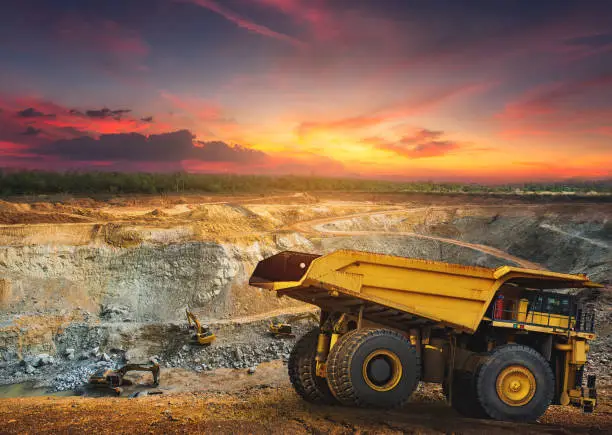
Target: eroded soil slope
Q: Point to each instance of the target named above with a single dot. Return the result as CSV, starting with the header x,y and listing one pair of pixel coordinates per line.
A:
x,y
95,283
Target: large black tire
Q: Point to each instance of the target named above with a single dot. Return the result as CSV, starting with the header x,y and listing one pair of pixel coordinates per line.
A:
x,y
373,368
302,371
463,395
511,362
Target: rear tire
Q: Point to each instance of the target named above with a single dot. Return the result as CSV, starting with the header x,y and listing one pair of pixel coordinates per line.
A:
x,y
373,368
302,371
463,395
515,383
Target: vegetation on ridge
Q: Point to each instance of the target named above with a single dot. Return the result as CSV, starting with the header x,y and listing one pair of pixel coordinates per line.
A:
x,y
42,182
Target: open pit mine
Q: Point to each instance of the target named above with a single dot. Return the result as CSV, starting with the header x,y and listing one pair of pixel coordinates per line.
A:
x,y
89,286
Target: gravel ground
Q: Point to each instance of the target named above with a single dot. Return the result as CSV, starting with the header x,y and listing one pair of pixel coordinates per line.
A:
x,y
240,346
265,408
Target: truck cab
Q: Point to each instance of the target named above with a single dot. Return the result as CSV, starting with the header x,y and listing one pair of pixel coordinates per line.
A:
x,y
540,308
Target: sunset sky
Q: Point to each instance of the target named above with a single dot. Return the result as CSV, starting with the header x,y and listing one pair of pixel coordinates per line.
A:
x,y
445,90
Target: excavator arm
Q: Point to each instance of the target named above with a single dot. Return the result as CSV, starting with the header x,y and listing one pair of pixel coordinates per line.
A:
x,y
305,315
193,321
154,369
202,334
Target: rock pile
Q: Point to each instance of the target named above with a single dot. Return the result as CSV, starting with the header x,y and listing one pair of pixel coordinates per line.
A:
x,y
238,356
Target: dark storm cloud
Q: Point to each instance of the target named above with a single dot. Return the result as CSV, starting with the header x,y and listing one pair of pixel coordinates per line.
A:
x,y
31,131
217,151
31,112
106,113
133,147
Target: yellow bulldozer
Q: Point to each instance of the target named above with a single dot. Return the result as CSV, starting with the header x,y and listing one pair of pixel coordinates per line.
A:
x,y
504,343
279,329
203,335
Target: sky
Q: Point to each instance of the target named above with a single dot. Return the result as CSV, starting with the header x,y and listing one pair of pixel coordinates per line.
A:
x,y
485,91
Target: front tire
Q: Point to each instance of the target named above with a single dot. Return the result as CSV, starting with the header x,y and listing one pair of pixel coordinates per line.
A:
x,y
302,371
373,368
515,383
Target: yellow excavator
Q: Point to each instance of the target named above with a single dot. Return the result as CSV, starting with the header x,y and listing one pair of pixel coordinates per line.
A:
x,y
114,379
203,335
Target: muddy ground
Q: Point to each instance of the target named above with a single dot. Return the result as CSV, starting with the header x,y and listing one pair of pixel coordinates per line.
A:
x,y
232,401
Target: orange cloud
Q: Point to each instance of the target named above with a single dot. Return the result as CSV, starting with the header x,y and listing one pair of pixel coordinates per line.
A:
x,y
96,126
53,121
11,147
393,112
560,108
206,118
199,109
423,143
549,99
607,131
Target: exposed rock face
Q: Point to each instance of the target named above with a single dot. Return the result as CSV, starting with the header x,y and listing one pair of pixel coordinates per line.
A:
x,y
145,283
63,289
93,295
560,245
409,247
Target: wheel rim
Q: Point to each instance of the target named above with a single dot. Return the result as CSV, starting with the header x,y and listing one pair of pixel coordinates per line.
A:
x,y
516,385
382,370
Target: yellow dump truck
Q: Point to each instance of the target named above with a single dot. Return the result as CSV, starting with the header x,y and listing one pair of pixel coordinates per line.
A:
x,y
501,342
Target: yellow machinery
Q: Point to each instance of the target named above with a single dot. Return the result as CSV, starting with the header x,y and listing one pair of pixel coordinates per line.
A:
x,y
500,341
203,335
279,329
283,329
114,379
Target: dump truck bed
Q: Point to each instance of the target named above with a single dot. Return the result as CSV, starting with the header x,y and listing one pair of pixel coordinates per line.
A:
x,y
396,291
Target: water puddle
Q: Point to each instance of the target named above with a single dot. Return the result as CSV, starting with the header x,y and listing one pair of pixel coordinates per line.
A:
x,y
29,389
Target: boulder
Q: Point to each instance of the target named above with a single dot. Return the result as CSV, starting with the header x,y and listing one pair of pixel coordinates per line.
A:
x,y
44,359
69,353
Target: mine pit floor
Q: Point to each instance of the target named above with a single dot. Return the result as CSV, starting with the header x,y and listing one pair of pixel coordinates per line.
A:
x,y
232,401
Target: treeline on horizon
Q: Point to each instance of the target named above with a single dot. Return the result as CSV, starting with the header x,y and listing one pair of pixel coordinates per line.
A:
x,y
28,182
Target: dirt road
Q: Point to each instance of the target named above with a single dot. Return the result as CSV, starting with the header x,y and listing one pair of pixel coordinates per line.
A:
x,y
264,408
318,226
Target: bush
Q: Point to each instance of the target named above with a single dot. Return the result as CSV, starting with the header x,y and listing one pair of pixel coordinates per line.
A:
x,y
40,182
